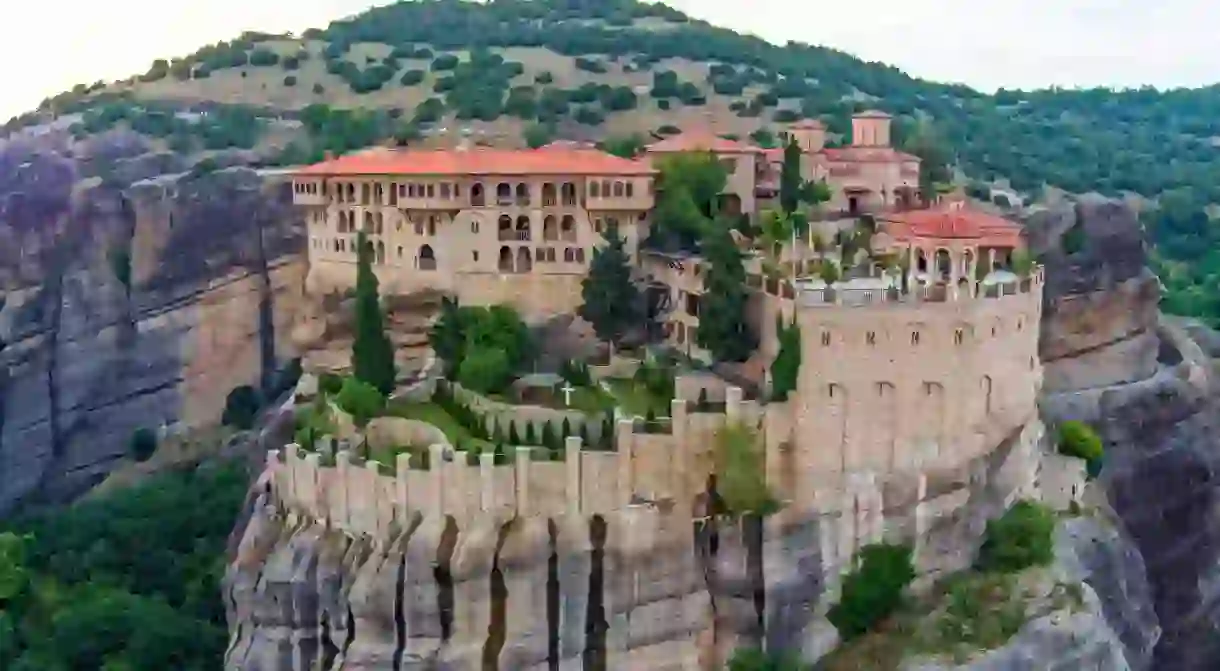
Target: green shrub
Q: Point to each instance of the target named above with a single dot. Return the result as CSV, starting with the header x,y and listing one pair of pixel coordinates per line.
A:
x,y
241,408
361,400
753,659
1077,439
411,78
330,384
484,370
444,62
142,444
873,590
1023,537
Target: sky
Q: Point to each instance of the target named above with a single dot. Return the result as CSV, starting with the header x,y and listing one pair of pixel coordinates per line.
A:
x,y
52,45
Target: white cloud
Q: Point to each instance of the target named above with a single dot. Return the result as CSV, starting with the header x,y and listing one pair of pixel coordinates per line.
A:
x,y
51,45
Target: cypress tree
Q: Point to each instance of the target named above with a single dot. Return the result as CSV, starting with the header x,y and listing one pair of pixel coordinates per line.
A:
x,y
372,352
567,428
531,438
584,435
722,318
549,439
790,181
514,438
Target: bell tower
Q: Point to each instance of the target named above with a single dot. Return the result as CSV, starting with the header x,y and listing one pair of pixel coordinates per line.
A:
x,y
809,135
870,129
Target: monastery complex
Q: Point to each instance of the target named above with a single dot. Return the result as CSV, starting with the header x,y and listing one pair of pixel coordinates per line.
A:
x,y
917,385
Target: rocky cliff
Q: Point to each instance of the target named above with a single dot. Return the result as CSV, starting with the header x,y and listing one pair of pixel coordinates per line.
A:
x,y
137,294
1145,383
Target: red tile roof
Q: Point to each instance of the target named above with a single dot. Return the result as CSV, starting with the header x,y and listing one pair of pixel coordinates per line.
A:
x,y
952,222
480,161
871,114
808,124
868,155
701,141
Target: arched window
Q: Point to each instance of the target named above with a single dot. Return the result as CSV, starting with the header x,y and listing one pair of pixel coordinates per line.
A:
x,y
504,193
825,338
550,230
567,228
506,260
580,254
959,336
618,189
368,221
524,263
474,227
427,258
629,189
594,190
914,337
523,194
476,195
549,197
523,228
569,193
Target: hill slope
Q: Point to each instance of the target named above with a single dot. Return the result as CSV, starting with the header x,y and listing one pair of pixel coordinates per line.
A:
x,y
517,71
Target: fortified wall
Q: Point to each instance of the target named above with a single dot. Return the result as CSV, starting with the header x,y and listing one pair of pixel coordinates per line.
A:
x,y
914,421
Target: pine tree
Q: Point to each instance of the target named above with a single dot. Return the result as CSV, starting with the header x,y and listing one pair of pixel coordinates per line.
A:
x,y
514,438
722,308
611,300
447,338
531,438
549,439
372,352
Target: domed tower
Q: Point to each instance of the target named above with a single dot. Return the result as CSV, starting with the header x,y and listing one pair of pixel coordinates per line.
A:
x,y
871,129
809,135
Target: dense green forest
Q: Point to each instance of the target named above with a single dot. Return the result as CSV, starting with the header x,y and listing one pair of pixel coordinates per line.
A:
x,y
126,582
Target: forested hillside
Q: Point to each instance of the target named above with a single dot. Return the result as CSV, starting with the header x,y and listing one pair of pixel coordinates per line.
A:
x,y
524,71
128,582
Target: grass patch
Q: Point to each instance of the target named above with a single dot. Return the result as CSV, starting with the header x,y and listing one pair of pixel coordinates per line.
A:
x,y
459,435
636,399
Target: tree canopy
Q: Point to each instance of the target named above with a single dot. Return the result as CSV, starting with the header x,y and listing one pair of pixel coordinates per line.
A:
x,y
612,301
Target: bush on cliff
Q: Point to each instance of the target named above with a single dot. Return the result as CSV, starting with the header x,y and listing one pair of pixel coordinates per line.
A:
x,y
142,444
753,659
1023,537
741,477
873,590
241,408
1077,439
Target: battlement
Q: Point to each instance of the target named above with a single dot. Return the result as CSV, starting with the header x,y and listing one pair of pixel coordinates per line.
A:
x,y
964,291
371,498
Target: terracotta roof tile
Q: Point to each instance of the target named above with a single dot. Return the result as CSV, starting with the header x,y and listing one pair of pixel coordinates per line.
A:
x,y
952,221
701,141
808,124
868,155
552,160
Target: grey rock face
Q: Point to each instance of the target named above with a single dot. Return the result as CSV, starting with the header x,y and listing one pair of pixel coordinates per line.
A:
x,y
88,360
1100,302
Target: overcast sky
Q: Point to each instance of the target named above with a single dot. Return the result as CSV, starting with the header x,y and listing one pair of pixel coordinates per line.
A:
x,y
51,45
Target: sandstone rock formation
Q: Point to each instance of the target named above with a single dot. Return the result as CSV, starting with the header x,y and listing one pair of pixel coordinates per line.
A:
x,y
215,288
1146,386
